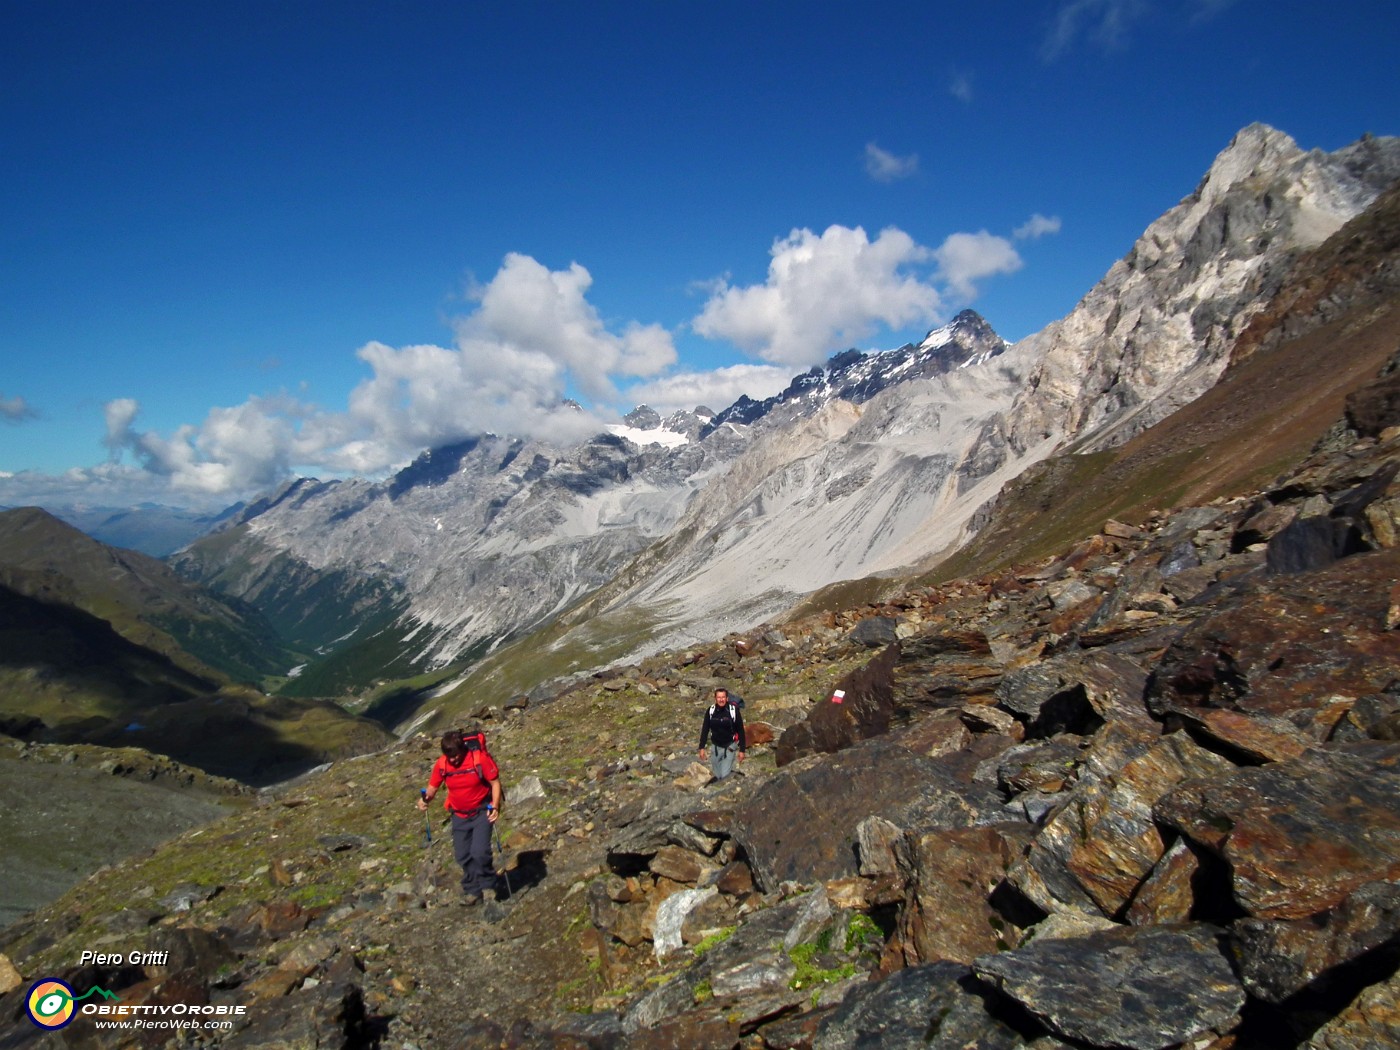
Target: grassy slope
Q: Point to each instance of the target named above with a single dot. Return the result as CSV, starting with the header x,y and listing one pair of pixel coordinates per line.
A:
x,y
143,600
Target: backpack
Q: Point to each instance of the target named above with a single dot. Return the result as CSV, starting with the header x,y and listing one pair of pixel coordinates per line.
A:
x,y
733,710
475,744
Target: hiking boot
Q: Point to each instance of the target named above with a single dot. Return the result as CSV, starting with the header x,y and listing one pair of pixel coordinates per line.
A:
x,y
471,900
489,896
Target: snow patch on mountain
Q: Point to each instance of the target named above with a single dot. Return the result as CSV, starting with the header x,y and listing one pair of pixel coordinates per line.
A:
x,y
654,436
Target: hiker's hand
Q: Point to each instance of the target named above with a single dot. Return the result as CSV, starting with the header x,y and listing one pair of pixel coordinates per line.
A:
x,y
423,803
493,814
743,755
703,756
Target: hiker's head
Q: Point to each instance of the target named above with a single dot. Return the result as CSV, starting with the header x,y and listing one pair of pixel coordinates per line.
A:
x,y
452,745
721,696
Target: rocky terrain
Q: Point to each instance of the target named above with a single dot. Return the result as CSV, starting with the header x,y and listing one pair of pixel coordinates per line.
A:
x,y
1142,793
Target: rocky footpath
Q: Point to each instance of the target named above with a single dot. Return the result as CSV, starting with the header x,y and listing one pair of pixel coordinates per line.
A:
x,y
1145,794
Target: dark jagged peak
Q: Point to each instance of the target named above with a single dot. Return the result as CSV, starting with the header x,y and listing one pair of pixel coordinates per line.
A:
x,y
643,417
744,411
853,375
432,467
843,360
295,491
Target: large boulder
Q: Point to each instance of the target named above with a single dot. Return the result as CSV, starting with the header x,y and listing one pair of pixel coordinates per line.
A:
x,y
801,825
1299,836
1281,957
940,1006
1097,849
951,875
1074,693
865,710
1290,645
1141,987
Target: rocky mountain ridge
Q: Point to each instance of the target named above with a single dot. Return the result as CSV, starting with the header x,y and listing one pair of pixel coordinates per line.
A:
x,y
842,477
1157,330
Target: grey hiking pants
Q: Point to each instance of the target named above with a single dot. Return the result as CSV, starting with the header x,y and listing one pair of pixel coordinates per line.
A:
x,y
722,760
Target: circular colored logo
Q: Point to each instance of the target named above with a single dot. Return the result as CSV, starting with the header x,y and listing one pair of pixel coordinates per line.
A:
x,y
50,1004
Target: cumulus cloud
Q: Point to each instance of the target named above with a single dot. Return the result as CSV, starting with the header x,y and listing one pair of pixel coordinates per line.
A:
x,y
965,258
528,309
823,292
119,415
717,389
1037,226
531,339
16,410
884,166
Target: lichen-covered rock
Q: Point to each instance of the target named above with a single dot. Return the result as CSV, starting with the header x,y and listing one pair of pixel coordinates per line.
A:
x,y
802,825
1299,836
1280,957
1288,644
951,875
1097,849
1371,1021
1140,987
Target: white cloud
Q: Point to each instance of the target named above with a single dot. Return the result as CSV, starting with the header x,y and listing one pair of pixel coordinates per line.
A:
x,y
531,335
823,293
964,258
16,409
716,390
530,309
1037,226
108,485
119,414
884,166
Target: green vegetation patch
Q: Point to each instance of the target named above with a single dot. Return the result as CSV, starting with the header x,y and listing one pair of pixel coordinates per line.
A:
x,y
807,958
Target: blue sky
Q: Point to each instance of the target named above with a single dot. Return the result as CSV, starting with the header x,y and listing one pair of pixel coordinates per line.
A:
x,y
247,240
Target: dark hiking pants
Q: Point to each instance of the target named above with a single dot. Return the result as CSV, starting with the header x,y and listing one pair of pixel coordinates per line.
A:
x,y
471,844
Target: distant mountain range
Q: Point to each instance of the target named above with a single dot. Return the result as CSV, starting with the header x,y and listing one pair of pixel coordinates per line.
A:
x,y
874,465
869,470
150,528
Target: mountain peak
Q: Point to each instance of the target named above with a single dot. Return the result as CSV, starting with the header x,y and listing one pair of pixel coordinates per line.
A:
x,y
1255,150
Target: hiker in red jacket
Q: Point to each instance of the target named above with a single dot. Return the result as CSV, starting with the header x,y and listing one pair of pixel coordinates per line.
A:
x,y
474,800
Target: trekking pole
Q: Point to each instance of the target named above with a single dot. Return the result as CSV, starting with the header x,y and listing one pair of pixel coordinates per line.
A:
x,y
505,871
427,826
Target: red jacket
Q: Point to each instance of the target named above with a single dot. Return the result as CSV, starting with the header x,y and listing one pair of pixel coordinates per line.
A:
x,y
468,783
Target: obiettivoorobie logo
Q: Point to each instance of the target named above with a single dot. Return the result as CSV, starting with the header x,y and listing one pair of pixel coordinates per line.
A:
x,y
51,1002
